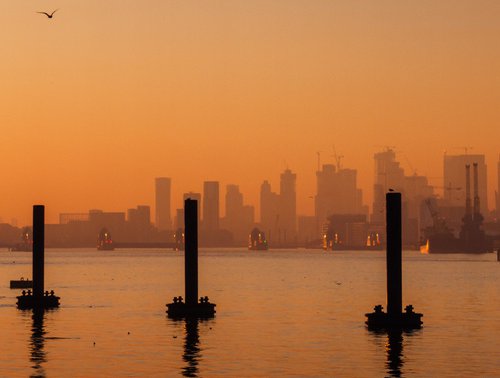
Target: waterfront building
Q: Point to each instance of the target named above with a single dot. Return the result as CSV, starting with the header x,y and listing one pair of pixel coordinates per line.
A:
x,y
454,179
288,207
162,203
210,206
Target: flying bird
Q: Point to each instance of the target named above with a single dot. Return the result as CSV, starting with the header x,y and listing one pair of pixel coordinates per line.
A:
x,y
47,14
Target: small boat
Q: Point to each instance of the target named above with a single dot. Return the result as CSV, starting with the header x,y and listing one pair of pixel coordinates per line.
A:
x,y
257,241
21,284
104,242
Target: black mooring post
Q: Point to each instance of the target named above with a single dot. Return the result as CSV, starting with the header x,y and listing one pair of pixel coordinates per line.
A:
x,y
38,254
191,251
393,257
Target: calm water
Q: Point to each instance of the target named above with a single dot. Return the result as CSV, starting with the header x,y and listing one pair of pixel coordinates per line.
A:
x,y
279,313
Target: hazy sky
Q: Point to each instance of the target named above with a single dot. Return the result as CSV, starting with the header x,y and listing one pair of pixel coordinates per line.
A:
x,y
107,95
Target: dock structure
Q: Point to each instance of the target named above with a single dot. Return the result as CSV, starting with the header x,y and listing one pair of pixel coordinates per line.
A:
x,y
394,318
191,307
38,299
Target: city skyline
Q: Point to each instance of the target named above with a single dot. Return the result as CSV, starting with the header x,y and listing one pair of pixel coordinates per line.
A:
x,y
348,181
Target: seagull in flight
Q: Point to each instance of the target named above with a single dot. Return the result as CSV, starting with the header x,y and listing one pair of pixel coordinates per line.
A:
x,y
47,14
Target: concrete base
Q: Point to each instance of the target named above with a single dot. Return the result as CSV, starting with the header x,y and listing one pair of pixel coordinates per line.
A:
x,y
27,301
407,320
183,310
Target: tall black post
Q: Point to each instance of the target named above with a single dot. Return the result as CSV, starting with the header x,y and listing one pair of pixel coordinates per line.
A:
x,y
38,254
394,251
191,251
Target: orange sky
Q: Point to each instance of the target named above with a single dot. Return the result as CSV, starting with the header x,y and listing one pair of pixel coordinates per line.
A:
x,y
110,94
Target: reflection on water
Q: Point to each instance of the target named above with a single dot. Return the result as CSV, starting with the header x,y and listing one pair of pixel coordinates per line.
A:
x,y
394,349
38,355
191,349
394,340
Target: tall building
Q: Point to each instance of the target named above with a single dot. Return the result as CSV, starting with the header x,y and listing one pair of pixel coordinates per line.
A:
x,y
239,218
269,202
388,175
454,180
337,193
211,205
415,190
162,203
288,207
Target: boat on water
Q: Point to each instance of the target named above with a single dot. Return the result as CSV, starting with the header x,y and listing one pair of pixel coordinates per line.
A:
x,y
26,243
105,242
21,284
257,241
472,238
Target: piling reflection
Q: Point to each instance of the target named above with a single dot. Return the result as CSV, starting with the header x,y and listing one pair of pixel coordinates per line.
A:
x,y
394,348
37,343
192,350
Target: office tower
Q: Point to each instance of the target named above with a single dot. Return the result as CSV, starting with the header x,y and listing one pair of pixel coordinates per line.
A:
x,y
388,175
288,206
239,218
193,196
337,193
140,216
269,202
162,203
454,180
210,205
234,202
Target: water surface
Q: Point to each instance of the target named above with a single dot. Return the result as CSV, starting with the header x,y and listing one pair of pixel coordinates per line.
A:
x,y
279,313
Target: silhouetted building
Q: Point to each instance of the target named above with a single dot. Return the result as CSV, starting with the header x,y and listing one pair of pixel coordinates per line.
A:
x,y
414,189
288,207
239,219
337,193
388,175
179,219
162,203
210,206
269,203
454,179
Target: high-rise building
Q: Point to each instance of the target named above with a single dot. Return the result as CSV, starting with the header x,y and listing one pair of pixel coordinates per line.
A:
x,y
210,205
454,179
388,175
269,202
239,218
162,203
234,202
415,190
337,193
288,207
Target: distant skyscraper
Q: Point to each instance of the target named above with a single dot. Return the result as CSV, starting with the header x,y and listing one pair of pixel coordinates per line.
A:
x,y
269,202
337,193
454,179
211,205
388,175
288,206
162,203
239,218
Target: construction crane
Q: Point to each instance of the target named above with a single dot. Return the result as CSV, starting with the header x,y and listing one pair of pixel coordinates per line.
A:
x,y
438,222
338,158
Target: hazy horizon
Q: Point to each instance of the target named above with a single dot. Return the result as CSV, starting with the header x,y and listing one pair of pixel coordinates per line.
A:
x,y
104,97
